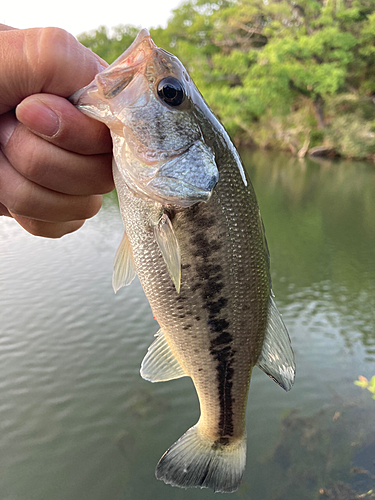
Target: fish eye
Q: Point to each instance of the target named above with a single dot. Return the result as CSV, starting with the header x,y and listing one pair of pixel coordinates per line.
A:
x,y
171,91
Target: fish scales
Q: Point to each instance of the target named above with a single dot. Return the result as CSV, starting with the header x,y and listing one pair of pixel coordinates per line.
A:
x,y
216,324
195,238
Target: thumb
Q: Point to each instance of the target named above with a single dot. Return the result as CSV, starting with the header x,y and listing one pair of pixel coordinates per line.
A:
x,y
42,60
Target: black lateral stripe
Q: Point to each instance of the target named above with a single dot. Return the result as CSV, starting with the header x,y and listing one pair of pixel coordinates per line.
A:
x,y
224,355
209,274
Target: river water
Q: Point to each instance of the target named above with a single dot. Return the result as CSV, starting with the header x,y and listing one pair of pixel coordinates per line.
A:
x,y
77,421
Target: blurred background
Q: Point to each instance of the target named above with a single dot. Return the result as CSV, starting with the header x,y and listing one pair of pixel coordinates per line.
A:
x,y
77,421
281,75
77,17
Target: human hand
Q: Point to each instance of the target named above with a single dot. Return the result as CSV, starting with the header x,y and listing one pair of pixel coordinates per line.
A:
x,y
55,162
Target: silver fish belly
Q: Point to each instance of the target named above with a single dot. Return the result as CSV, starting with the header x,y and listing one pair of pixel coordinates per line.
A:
x,y
195,238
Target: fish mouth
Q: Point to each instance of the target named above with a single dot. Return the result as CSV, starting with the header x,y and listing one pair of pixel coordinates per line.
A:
x,y
113,80
118,76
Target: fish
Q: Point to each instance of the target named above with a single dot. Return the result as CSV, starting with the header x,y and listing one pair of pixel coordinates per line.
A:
x,y
194,235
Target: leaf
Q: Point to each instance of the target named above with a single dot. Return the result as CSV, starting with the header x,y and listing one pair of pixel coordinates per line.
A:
x,y
371,385
361,383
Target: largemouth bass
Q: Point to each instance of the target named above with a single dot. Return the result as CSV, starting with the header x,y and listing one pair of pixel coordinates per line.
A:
x,y
195,238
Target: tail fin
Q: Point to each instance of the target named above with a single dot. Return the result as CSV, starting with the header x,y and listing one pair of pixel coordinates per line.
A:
x,y
194,462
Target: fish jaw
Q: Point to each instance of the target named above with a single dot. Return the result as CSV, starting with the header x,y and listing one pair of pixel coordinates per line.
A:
x,y
114,79
98,98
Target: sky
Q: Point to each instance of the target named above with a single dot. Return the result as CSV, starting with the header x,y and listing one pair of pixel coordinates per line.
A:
x,y
77,16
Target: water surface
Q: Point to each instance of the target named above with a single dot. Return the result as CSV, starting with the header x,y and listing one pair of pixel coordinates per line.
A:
x,y
77,421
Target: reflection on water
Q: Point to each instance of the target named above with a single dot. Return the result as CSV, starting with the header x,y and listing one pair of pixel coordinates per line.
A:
x,y
321,230
76,419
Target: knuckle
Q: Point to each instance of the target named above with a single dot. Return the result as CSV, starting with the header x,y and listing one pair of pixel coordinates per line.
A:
x,y
20,202
35,227
92,206
32,165
104,179
52,40
29,154
48,51
47,229
54,232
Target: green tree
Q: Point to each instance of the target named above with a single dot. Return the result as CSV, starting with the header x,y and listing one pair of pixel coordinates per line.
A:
x,y
109,44
282,74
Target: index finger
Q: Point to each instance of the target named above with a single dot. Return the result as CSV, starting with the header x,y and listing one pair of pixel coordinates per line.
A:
x,y
5,27
40,60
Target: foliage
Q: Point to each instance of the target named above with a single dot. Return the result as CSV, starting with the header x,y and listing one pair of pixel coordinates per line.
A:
x,y
366,384
352,136
274,65
109,44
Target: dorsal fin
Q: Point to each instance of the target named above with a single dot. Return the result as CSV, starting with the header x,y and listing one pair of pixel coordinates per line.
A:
x,y
277,358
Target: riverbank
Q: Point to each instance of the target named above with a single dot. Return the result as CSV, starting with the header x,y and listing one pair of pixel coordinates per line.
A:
x,y
348,131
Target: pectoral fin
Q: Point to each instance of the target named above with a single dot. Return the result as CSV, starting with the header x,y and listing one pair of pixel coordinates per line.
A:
x,y
277,358
160,364
123,265
170,249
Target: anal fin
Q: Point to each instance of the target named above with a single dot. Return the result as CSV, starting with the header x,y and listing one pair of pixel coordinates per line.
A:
x,y
160,364
123,265
277,358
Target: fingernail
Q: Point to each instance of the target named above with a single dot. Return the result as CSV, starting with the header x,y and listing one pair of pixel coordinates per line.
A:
x,y
8,123
38,117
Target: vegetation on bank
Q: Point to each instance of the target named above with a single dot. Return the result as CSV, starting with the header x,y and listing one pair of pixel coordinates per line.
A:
x,y
290,75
